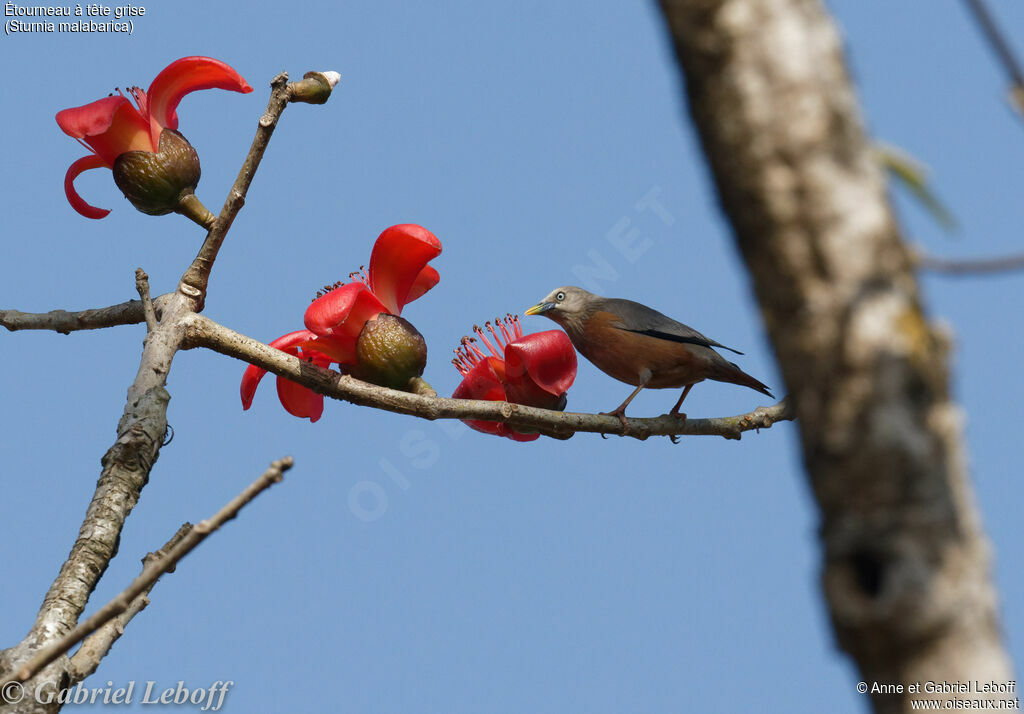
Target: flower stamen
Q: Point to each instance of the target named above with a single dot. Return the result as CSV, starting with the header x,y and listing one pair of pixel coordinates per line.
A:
x,y
480,333
494,333
467,356
504,330
471,343
359,276
326,289
139,96
516,327
464,362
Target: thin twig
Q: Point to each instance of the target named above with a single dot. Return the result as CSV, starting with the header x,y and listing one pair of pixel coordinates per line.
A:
x,y
142,286
1002,48
203,332
152,572
974,266
126,313
195,280
97,645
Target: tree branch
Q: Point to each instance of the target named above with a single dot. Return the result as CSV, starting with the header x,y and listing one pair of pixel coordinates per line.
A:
x,y
142,286
142,427
970,266
1003,51
195,280
905,564
164,563
97,645
126,313
140,432
203,332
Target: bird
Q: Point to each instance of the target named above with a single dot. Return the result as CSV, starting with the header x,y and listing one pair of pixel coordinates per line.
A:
x,y
640,346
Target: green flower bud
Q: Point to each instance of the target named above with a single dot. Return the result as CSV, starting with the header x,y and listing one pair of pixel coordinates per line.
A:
x,y
314,87
160,183
390,351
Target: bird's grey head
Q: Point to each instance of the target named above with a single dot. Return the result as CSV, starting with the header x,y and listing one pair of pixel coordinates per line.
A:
x,y
567,305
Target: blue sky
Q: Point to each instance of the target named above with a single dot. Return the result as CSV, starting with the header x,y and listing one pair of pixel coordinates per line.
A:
x,y
408,566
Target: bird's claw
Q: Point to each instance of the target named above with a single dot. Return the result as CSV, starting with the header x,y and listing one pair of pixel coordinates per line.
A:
x,y
682,418
621,414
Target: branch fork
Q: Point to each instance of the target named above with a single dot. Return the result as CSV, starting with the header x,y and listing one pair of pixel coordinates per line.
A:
x,y
127,464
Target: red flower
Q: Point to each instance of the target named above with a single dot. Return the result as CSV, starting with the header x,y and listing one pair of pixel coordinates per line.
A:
x,y
536,370
111,126
398,274
296,399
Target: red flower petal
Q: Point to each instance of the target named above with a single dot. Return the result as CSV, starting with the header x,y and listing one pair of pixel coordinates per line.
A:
x,y
483,381
109,126
188,74
251,378
77,202
428,278
545,359
291,342
299,401
499,429
398,259
335,348
90,119
317,358
343,311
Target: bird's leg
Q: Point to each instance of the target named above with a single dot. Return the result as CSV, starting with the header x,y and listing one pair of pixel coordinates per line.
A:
x,y
620,411
675,409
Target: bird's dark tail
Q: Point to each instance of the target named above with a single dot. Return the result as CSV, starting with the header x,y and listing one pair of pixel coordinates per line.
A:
x,y
734,375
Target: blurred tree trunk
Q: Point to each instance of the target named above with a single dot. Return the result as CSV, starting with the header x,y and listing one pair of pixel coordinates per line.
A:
x,y
905,562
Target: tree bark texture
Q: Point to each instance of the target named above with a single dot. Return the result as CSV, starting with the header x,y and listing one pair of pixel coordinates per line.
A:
x,y
905,563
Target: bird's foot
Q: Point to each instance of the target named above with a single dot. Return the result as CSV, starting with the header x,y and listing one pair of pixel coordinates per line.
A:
x,y
621,414
682,418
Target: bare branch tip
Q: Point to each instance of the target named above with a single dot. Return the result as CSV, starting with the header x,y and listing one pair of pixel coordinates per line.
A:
x,y
142,287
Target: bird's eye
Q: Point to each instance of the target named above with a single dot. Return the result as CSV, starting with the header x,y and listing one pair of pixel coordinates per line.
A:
x,y
559,296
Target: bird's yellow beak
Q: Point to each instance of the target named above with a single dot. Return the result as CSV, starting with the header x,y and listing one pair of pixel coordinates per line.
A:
x,y
540,308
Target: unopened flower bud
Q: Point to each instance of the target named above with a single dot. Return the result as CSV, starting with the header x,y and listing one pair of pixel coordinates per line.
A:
x,y
314,87
156,183
390,352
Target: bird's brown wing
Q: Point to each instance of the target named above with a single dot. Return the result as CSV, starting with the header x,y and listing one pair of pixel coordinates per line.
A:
x,y
636,317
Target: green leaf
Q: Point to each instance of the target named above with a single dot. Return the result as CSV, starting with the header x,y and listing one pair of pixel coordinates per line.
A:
x,y
912,174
